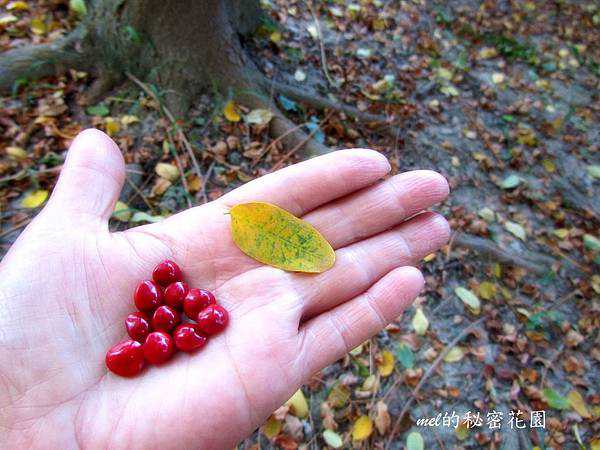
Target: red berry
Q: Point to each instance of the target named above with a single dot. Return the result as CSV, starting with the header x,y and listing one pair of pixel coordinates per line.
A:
x,y
125,359
167,272
158,347
213,319
188,337
196,300
165,319
137,326
175,293
148,296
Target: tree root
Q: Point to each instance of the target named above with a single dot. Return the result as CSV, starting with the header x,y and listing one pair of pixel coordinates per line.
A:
x,y
319,102
37,61
535,262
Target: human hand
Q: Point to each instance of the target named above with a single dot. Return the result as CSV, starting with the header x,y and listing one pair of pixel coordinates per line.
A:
x,y
66,286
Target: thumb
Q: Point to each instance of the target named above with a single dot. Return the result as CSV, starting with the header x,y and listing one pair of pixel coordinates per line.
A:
x,y
90,180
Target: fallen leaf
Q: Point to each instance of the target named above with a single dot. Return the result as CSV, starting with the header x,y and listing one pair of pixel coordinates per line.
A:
x,y
122,212
382,418
78,7
510,182
332,439
298,404
591,242
498,77
594,171
141,216
17,6
405,356
555,400
259,116
8,18
98,110
561,233
362,429
167,171
230,112
38,26
469,299
420,322
275,237
455,354
414,441
34,199
339,395
271,428
128,119
578,404
386,366
16,153
299,75
112,126
487,290
515,229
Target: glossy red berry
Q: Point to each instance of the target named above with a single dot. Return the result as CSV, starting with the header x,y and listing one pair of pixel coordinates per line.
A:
x,y
137,325
148,296
196,300
188,337
167,272
213,319
175,293
165,319
158,347
125,359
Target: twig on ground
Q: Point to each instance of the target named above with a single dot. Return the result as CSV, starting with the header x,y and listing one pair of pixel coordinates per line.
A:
x,y
311,8
469,329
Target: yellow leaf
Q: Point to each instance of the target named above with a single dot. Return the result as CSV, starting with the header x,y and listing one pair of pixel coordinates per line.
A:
x,y
487,290
275,237
271,428
595,444
578,404
38,26
561,233
8,18
17,6
230,112
362,429
128,119
167,171
455,354
122,212
420,322
16,153
34,199
429,257
386,367
112,126
298,404
549,165
275,36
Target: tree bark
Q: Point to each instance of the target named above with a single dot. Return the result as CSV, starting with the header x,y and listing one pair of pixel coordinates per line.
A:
x,y
182,46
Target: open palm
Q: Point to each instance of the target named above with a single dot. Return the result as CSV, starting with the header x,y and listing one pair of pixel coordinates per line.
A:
x,y
66,287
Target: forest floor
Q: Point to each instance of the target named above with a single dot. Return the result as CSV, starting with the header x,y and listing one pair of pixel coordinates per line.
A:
x,y
501,97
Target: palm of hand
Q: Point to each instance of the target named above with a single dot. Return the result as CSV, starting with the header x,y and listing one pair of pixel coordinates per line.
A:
x,y
66,287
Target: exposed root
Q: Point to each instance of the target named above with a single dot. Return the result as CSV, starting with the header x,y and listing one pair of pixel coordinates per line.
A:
x,y
101,86
319,102
535,262
284,129
36,61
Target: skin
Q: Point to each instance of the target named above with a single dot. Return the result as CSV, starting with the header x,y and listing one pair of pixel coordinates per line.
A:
x,y
66,287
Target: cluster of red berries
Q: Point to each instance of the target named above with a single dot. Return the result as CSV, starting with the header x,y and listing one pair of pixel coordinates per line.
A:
x,y
157,330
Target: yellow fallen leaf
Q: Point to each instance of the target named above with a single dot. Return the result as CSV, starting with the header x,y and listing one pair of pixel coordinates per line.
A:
x,y
455,354
549,165
298,404
362,429
271,428
275,237
16,153
38,26
230,112
429,257
8,18
420,322
487,290
167,171
112,126
578,404
275,36
17,6
561,233
386,366
34,199
128,119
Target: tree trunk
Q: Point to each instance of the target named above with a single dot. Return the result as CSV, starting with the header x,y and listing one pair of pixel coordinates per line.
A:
x,y
183,46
